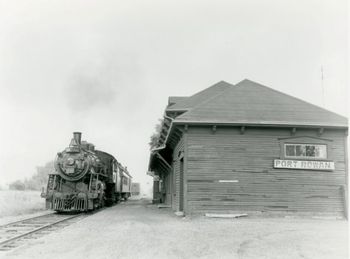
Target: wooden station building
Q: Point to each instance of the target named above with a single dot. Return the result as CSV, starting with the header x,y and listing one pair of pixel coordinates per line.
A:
x,y
247,147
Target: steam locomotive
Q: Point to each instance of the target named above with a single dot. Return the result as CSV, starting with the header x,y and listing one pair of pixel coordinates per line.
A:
x,y
85,179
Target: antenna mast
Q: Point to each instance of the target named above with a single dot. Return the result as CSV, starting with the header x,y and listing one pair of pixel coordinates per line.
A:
x,y
322,85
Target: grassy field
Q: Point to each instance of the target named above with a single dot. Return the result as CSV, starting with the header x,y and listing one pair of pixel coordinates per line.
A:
x,y
14,203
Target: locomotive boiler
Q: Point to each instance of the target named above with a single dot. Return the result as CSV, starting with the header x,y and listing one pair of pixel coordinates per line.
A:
x,y
85,179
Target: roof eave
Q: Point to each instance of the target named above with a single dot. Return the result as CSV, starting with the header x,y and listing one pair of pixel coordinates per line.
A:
x,y
176,110
156,150
259,124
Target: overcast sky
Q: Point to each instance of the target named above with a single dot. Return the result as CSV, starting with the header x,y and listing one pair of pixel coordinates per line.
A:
x,y
106,68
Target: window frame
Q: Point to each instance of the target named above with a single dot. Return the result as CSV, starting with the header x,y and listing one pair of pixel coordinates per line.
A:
x,y
305,157
306,140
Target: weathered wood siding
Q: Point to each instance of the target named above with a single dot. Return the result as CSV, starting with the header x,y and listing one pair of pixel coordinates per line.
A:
x,y
178,152
248,158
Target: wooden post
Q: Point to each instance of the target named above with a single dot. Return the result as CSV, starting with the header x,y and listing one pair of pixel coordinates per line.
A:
x,y
186,128
155,192
185,175
242,130
320,132
293,132
345,198
346,187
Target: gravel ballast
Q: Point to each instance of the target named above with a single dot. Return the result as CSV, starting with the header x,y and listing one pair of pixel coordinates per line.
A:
x,y
140,230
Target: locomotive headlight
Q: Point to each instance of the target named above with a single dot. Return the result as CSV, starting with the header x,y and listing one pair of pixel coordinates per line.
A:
x,y
70,161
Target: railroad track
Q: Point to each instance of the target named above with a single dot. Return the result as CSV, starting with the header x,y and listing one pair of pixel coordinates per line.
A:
x,y
20,232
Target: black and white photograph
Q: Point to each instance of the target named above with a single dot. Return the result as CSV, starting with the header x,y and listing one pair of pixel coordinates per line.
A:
x,y
174,129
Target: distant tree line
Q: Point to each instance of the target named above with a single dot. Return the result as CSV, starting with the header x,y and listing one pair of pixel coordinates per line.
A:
x,y
36,181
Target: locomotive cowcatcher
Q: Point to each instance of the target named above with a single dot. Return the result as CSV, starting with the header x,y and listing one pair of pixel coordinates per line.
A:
x,y
85,179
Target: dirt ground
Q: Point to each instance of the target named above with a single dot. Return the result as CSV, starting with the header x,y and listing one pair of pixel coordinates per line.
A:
x,y
141,230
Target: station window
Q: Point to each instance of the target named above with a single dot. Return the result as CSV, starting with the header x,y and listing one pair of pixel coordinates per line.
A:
x,y
125,180
305,151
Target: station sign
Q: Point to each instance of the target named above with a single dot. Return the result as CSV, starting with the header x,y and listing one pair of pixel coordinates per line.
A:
x,y
304,165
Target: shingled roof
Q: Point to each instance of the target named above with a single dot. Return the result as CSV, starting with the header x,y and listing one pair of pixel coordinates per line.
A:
x,y
250,103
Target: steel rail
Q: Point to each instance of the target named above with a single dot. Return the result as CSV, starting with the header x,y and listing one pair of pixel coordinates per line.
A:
x,y
22,220
35,230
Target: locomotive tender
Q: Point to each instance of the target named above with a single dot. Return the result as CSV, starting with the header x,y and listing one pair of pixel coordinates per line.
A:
x,y
85,179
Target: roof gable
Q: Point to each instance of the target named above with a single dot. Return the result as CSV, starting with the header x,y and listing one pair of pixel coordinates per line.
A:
x,y
252,103
186,103
175,99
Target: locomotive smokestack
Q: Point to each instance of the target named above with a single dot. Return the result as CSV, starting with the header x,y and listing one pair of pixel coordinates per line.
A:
x,y
77,137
